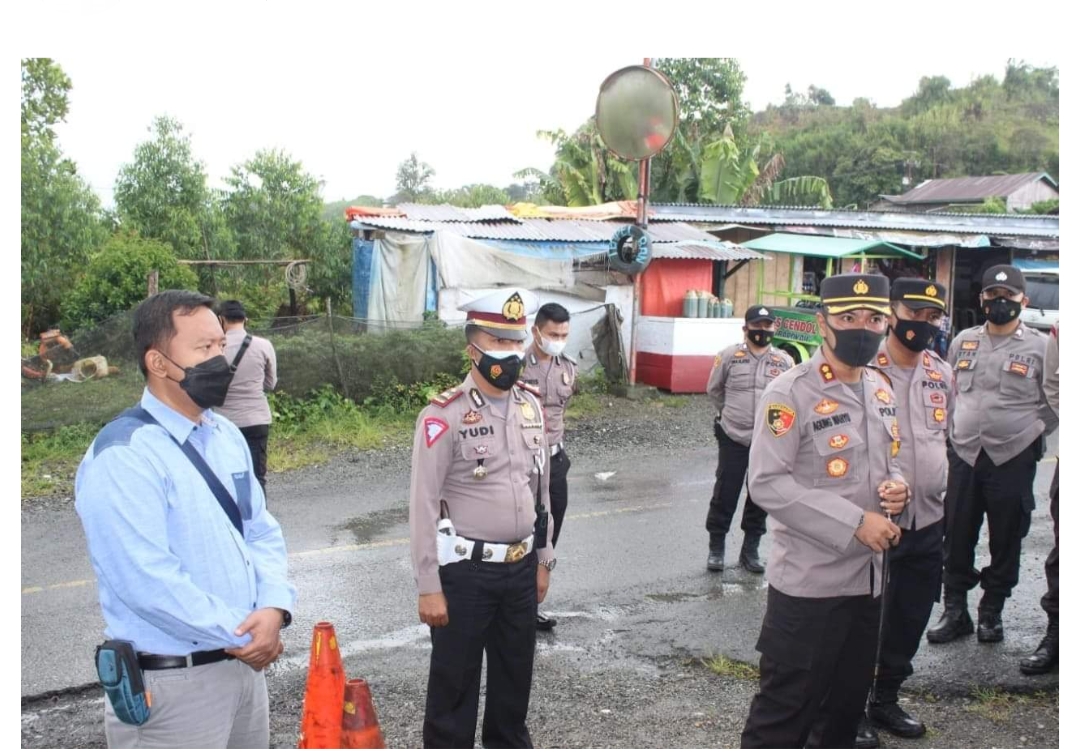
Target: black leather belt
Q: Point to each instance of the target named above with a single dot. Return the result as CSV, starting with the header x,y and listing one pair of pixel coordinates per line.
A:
x,y
197,659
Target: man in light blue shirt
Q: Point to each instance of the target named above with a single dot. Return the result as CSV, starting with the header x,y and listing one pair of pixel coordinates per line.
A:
x,y
196,581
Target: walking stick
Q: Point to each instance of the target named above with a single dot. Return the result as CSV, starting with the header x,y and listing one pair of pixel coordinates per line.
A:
x,y
880,628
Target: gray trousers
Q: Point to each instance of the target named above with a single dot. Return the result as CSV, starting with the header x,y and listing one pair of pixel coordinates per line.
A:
x,y
220,705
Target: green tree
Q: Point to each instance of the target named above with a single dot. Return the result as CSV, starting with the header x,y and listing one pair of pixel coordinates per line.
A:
x,y
413,180
273,209
472,195
585,172
162,193
116,278
709,93
61,221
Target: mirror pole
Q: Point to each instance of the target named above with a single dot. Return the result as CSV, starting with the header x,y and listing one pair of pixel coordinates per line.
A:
x,y
643,177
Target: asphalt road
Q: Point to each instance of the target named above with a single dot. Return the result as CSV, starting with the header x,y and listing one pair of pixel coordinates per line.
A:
x,y
630,591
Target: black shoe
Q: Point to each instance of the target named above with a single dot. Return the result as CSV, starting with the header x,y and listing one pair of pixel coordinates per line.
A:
x,y
749,559
867,735
1045,658
955,622
990,626
892,718
715,558
545,623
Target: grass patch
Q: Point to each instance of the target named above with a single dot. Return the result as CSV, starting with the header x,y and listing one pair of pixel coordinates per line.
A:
x,y
54,405
724,666
339,427
998,705
671,402
585,405
49,460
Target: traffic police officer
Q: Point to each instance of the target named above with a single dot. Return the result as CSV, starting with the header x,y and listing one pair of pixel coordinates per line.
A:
x,y
1045,657
922,382
1001,414
478,520
823,464
741,372
553,374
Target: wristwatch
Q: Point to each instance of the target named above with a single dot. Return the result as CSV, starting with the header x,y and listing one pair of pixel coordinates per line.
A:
x,y
286,618
549,563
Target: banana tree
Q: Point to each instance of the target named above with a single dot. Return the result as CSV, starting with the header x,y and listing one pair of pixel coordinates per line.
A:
x,y
584,172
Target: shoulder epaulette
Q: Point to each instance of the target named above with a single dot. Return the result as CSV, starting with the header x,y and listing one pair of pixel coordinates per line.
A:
x,y
446,397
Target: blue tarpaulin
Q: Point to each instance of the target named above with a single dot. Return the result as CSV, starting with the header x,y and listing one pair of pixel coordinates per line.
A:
x,y
362,271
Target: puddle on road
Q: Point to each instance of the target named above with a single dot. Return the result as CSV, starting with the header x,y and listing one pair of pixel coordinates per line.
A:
x,y
369,527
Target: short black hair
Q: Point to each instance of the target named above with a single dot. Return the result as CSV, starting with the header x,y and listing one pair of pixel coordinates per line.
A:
x,y
552,311
232,310
153,324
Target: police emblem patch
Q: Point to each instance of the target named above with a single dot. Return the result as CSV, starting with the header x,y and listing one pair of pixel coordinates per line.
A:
x,y
930,290
838,441
472,417
884,396
1019,368
739,353
934,375
962,365
939,414
434,429
826,407
861,287
936,398
826,373
837,467
780,419
527,412
719,359
969,345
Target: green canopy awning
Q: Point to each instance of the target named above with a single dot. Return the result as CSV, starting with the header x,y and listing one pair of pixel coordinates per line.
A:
x,y
825,246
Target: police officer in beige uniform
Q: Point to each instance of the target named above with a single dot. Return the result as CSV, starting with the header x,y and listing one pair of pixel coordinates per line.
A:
x,y
1001,414
922,383
741,372
1045,657
478,520
553,374
823,465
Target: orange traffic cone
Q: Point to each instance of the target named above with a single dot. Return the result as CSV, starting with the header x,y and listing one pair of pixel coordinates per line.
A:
x,y
325,693
359,727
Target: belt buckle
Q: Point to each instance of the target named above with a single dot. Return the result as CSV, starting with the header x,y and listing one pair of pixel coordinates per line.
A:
x,y
516,552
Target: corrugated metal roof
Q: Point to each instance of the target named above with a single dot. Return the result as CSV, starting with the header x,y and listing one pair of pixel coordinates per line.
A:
x,y
967,189
488,213
540,230
695,251
1003,225
444,213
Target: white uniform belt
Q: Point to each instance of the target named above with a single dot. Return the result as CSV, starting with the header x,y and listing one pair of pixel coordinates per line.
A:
x,y
454,548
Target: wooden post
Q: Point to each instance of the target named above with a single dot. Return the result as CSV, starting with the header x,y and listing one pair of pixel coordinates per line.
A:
x,y
333,349
151,283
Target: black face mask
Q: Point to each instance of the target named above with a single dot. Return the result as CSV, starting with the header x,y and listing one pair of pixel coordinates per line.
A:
x,y
759,336
855,347
1001,311
500,372
206,383
916,335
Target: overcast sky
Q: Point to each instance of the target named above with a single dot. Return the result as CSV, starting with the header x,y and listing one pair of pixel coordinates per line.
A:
x,y
351,123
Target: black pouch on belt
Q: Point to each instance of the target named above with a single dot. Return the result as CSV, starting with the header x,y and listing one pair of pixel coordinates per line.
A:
x,y
119,672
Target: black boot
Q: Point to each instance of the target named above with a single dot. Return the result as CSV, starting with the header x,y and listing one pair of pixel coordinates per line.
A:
x,y
748,559
716,552
990,624
891,717
955,622
1045,658
866,736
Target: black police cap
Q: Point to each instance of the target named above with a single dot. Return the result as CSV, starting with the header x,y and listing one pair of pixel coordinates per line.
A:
x,y
918,293
757,313
1008,276
855,291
